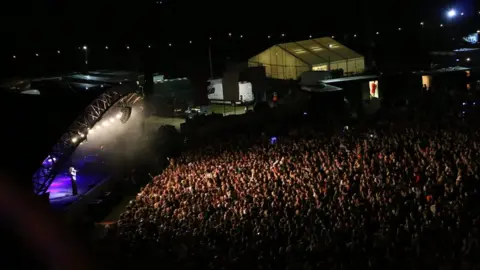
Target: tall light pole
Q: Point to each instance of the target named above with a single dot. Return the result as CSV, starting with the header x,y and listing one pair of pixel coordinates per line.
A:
x,y
85,48
210,59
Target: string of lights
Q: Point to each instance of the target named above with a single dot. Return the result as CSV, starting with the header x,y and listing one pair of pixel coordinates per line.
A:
x,y
282,36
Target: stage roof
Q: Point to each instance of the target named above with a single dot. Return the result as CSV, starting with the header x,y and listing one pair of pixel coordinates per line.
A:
x,y
319,50
352,78
34,123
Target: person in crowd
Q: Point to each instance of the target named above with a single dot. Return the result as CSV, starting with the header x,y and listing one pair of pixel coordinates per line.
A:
x,y
376,199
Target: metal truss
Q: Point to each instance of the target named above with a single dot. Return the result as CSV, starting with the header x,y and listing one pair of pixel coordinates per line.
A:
x,y
64,148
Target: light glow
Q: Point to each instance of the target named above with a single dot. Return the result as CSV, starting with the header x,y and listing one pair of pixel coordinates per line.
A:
x,y
452,13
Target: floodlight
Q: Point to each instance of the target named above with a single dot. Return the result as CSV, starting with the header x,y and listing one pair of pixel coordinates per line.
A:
x,y
452,13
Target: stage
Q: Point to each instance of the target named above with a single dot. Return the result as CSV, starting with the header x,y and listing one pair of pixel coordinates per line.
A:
x,y
91,171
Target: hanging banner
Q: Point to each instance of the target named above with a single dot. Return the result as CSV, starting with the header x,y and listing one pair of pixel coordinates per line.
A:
x,y
373,89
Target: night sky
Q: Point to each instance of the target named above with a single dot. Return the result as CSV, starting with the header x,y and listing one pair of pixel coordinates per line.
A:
x,y
45,27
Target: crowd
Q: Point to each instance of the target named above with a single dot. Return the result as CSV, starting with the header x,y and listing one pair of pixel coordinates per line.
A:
x,y
379,199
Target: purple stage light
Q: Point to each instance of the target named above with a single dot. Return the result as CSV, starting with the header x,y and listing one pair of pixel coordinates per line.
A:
x,y
49,160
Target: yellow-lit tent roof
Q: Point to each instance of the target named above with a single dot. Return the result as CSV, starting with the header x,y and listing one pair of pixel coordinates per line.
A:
x,y
319,51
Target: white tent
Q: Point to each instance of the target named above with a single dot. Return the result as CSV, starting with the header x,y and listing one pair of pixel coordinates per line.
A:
x,y
290,60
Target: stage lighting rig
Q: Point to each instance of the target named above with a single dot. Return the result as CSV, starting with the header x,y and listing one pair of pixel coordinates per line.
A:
x,y
126,112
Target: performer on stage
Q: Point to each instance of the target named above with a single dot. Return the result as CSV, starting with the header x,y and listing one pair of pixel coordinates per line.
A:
x,y
73,180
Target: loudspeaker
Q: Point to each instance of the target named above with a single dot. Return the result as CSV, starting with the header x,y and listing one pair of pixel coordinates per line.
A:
x,y
126,112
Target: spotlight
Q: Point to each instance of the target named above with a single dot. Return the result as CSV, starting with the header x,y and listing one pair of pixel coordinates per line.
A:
x,y
452,13
119,115
74,139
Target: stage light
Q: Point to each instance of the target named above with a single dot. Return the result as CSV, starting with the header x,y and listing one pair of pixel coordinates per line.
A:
x,y
209,38
461,14
170,44
105,124
468,59
241,36
355,35
37,54
422,23
74,139
14,57
230,34
85,48
310,36
106,47
128,47
452,13
190,42
58,52
119,115
399,29
441,25
111,120
283,34
149,46
378,33
333,37
268,37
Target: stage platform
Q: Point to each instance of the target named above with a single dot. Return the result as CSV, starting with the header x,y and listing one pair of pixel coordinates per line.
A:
x,y
88,177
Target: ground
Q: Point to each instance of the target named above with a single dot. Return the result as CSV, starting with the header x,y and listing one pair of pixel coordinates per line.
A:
x,y
152,123
227,109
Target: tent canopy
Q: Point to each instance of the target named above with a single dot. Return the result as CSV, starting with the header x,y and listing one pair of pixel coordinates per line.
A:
x,y
290,60
319,51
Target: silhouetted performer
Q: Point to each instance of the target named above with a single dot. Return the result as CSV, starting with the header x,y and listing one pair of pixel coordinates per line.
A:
x,y
73,180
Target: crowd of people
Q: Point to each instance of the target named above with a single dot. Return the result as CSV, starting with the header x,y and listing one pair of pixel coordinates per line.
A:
x,y
404,199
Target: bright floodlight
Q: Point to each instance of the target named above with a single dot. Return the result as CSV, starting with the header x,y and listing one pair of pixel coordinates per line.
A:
x,y
119,115
451,13
74,140
85,48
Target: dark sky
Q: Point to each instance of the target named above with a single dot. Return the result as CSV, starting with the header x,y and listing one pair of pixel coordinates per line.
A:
x,y
89,19
46,26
